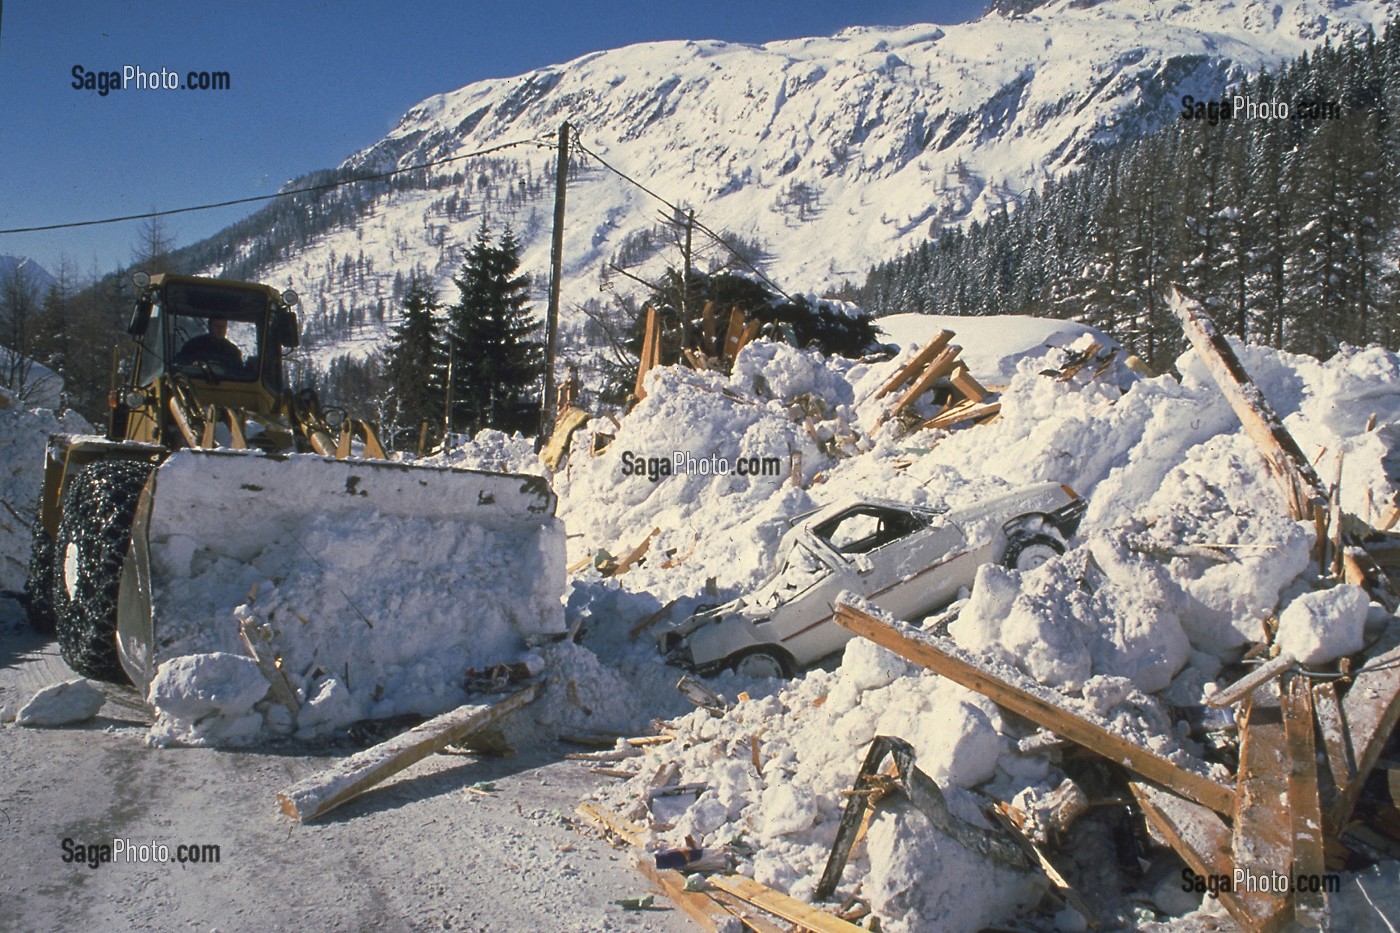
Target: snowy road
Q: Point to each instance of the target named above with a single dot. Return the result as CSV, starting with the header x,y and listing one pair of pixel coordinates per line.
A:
x,y
420,852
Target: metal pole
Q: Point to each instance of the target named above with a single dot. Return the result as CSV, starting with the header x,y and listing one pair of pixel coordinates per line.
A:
x,y
556,268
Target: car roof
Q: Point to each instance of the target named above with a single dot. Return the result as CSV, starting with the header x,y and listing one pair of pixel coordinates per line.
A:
x,y
817,516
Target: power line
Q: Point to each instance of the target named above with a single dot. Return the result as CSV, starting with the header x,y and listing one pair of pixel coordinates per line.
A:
x,y
678,210
281,194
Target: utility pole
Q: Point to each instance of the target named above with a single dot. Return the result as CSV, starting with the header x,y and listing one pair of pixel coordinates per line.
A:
x,y
556,269
685,280
447,393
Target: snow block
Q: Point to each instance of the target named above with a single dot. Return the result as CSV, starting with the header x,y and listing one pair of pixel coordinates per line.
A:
x,y
62,704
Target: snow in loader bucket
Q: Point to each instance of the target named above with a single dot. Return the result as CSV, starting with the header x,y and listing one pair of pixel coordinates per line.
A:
x,y
373,585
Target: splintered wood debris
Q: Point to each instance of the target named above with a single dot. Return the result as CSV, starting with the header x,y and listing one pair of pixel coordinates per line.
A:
x,y
1290,811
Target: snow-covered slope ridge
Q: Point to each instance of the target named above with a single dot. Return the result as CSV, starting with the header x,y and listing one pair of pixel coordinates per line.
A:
x,y
831,152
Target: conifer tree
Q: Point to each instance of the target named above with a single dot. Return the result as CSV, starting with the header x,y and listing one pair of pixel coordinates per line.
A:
x,y
496,362
417,357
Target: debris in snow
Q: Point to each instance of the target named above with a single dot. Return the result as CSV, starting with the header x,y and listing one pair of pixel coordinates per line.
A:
x,y
323,792
62,704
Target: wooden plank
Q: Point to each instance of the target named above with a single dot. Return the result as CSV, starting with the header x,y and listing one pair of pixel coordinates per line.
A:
x,y
1301,485
707,329
1370,710
631,833
917,363
1262,841
960,413
651,350
944,658
781,905
732,335
634,555
1310,907
1202,840
1081,360
700,907
239,436
963,381
1251,681
321,793
652,619
1001,812
1328,709
753,919
750,332
940,367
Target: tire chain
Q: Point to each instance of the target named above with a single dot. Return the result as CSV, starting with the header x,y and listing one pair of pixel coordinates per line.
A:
x,y
102,506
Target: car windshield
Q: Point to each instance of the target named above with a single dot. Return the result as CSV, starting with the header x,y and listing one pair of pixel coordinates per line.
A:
x,y
801,570
867,527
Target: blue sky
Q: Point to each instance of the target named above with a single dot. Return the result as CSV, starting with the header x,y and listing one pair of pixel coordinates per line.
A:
x,y
310,84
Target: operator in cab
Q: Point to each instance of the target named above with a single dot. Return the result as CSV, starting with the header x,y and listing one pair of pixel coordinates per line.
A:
x,y
213,348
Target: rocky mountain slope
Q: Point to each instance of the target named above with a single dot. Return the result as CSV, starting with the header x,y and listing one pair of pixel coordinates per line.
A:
x,y
823,155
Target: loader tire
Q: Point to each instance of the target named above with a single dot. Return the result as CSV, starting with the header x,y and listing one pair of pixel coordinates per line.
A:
x,y
38,582
93,536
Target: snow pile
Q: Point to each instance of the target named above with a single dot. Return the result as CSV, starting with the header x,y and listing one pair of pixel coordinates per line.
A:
x,y
491,451
24,433
1185,551
675,465
377,586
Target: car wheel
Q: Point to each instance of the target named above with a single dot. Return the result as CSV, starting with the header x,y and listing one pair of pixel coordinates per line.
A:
x,y
38,582
763,662
93,535
1027,552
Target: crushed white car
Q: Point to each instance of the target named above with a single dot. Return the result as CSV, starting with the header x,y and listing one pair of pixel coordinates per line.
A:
x,y
908,559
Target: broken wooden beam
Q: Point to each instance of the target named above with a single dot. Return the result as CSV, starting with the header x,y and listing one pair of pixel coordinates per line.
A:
x,y
1328,710
634,555
1261,842
917,363
711,915
957,414
781,905
1310,907
1251,681
1202,840
733,335
323,792
1370,710
1302,487
629,832
652,619
941,366
944,658
962,380
651,350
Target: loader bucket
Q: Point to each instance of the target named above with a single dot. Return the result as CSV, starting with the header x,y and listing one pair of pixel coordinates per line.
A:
x,y
367,573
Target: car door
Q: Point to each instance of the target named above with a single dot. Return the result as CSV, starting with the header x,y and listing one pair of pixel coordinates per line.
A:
x,y
923,571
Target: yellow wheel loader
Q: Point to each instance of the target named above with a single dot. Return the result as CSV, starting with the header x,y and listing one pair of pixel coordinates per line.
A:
x,y
220,503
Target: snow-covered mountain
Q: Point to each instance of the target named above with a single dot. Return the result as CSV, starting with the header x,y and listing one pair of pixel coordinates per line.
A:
x,y
34,273
826,154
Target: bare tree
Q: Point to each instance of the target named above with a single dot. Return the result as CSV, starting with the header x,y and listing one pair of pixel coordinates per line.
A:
x,y
19,319
151,254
